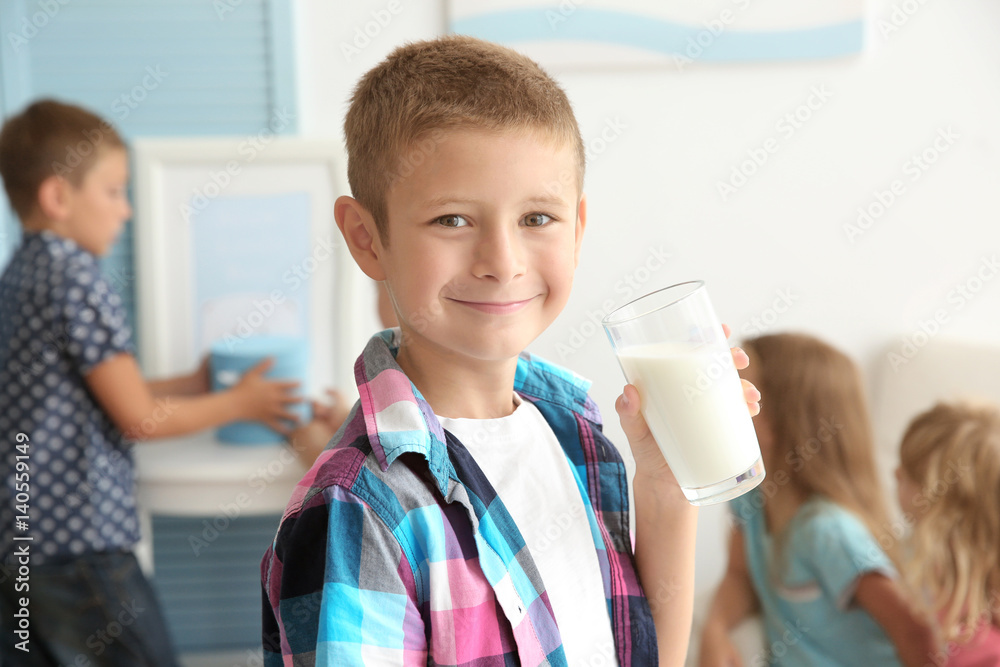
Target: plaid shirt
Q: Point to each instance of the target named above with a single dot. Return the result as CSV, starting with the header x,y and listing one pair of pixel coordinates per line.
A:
x,y
395,549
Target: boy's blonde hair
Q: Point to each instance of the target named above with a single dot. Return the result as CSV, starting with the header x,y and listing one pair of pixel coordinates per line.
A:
x,y
405,106
816,407
952,453
47,139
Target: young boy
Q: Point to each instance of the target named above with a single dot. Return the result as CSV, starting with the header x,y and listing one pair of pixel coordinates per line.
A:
x,y
71,400
470,511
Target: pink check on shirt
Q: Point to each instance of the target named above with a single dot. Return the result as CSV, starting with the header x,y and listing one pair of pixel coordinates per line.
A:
x,y
395,549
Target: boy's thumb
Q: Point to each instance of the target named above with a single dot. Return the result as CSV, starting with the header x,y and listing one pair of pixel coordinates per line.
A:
x,y
632,422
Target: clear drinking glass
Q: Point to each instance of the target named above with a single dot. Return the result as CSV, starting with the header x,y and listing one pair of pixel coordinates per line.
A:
x,y
670,345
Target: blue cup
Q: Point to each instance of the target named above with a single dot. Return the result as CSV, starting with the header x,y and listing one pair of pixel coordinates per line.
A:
x,y
230,358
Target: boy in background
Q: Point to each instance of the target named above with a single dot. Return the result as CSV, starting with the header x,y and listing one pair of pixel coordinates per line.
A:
x,y
471,511
72,398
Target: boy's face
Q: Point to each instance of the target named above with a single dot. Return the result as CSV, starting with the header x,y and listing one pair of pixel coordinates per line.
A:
x,y
97,209
483,240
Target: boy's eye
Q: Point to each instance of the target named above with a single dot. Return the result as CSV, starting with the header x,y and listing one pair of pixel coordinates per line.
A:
x,y
452,221
536,219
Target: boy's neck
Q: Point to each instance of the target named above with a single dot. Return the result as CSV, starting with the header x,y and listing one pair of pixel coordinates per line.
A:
x,y
39,223
457,387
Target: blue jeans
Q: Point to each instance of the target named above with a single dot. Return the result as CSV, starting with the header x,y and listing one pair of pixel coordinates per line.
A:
x,y
94,610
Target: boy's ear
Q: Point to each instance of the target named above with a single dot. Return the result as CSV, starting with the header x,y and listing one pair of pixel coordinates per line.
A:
x,y
53,198
581,225
358,227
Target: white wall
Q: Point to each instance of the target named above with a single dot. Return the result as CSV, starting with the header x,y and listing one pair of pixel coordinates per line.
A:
x,y
655,185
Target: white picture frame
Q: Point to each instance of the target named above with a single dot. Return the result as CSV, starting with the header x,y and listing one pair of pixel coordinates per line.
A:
x,y
179,183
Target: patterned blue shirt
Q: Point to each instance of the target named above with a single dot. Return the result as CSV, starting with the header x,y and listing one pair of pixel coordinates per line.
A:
x,y
59,319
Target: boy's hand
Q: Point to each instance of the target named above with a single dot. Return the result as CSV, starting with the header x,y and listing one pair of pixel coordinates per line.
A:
x,y
309,440
334,414
267,401
201,377
741,360
718,650
649,461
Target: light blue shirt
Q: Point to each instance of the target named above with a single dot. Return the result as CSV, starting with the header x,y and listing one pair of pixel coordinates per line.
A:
x,y
807,601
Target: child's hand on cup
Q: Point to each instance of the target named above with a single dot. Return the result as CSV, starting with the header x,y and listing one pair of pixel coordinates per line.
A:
x,y
649,461
309,440
267,401
741,360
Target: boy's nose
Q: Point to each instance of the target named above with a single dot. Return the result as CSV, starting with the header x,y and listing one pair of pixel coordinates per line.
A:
x,y
499,255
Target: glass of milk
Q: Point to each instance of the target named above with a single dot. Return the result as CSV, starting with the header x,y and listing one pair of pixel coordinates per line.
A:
x,y
671,347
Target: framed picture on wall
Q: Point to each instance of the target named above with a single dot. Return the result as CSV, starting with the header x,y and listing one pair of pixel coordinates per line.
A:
x,y
236,238
572,34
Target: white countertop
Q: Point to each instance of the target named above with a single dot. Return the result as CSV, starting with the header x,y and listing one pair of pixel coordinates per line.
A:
x,y
198,475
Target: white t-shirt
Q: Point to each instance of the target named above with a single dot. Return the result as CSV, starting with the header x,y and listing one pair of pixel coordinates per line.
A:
x,y
522,459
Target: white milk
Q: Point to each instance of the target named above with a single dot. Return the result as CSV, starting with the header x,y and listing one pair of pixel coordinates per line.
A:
x,y
693,401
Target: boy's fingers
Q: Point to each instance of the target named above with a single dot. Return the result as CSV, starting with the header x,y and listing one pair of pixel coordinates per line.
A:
x,y
632,422
752,397
740,358
750,392
726,330
263,366
279,426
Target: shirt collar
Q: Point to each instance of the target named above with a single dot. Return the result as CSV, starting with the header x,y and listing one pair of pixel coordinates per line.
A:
x,y
60,247
398,419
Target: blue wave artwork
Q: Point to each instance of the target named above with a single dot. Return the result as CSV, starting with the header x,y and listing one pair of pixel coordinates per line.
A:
x,y
711,41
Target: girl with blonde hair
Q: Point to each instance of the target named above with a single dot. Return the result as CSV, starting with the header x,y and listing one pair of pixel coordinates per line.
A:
x,y
949,488
804,549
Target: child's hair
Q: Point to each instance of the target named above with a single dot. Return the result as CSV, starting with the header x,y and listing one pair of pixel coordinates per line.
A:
x,y
816,407
50,138
952,453
402,108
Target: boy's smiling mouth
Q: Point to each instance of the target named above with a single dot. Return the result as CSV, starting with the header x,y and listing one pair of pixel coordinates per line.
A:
x,y
495,307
